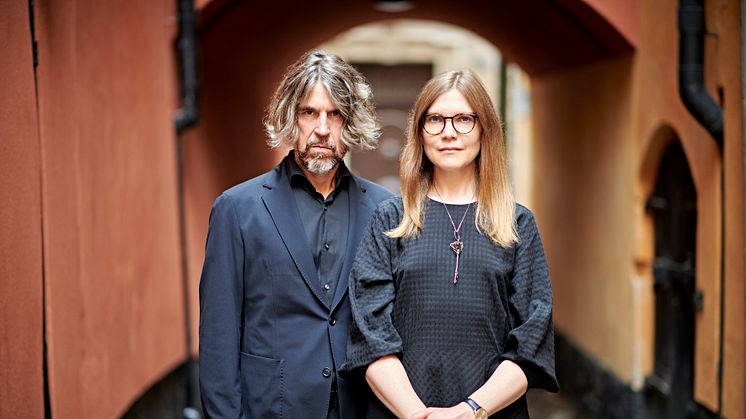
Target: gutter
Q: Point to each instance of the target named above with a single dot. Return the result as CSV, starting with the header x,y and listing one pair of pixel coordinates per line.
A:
x,y
691,69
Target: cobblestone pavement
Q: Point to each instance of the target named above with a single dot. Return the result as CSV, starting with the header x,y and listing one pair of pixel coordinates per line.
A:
x,y
544,405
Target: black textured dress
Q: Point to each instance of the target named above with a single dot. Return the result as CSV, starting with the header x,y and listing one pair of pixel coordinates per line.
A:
x,y
451,338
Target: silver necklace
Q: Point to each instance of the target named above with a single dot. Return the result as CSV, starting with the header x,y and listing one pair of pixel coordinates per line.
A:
x,y
457,245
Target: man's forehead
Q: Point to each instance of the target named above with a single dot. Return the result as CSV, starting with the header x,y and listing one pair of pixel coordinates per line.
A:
x,y
318,97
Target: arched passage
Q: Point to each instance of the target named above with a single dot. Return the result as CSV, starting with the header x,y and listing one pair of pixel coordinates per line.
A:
x,y
244,48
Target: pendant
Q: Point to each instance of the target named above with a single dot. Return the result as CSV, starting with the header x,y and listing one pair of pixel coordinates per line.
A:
x,y
457,247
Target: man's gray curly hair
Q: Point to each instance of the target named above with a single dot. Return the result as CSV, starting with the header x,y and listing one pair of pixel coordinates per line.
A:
x,y
348,89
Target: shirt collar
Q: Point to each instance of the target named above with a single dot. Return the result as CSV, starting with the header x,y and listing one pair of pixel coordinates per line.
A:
x,y
295,174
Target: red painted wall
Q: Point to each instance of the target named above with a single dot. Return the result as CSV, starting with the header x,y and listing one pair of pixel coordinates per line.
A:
x,y
115,317
21,380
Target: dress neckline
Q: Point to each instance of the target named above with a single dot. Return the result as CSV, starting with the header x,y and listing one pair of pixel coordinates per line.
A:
x,y
448,203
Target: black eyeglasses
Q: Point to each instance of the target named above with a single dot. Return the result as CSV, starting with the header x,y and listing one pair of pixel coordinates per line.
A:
x,y
435,123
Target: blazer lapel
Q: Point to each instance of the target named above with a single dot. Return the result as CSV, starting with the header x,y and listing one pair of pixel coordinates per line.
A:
x,y
360,210
278,198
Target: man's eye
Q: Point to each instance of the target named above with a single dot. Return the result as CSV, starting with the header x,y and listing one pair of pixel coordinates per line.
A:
x,y
335,114
307,112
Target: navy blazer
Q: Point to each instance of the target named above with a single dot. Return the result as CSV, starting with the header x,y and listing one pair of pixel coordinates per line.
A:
x,y
269,338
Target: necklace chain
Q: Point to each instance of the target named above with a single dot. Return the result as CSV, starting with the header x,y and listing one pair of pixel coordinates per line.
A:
x,y
457,245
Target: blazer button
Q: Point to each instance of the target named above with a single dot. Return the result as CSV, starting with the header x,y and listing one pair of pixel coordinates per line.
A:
x,y
326,372
332,321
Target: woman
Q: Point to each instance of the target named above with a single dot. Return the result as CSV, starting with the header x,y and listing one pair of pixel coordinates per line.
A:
x,y
451,299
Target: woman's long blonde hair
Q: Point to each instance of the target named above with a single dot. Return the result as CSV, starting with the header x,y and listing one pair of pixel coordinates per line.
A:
x,y
495,205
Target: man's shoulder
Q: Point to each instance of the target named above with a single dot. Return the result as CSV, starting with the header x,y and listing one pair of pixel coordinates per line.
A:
x,y
251,185
250,189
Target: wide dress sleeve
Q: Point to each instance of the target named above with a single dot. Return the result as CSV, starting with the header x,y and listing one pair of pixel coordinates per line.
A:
x,y
530,343
372,291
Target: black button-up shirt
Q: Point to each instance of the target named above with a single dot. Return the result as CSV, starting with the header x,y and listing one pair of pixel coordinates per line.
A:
x,y
325,221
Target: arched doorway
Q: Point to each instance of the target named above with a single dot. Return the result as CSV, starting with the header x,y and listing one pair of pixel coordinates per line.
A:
x,y
669,389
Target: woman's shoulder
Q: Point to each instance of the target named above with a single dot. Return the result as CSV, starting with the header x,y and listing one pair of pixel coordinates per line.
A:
x,y
390,206
525,222
522,214
389,212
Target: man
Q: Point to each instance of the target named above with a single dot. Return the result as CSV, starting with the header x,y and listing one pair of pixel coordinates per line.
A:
x,y
274,312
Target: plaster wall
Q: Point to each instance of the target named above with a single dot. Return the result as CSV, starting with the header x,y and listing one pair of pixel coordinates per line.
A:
x,y
114,306
583,194
599,132
21,310
720,218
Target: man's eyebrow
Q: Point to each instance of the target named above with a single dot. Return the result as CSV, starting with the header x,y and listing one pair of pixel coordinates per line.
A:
x,y
311,108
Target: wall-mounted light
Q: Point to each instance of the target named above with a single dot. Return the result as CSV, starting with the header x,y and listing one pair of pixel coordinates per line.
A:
x,y
393,6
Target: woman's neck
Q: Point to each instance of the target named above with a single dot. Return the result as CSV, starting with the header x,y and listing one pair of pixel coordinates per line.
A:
x,y
453,188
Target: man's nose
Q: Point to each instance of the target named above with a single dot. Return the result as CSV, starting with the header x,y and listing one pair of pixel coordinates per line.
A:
x,y
322,127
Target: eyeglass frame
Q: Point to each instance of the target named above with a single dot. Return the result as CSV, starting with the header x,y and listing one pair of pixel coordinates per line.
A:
x,y
445,118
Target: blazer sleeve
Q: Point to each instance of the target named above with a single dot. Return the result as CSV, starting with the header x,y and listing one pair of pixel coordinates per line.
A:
x,y
220,302
530,343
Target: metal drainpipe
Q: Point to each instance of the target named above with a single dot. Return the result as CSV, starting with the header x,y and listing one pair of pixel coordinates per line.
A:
x,y
743,133
701,105
692,70
186,117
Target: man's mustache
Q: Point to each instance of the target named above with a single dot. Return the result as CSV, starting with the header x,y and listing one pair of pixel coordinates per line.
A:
x,y
328,144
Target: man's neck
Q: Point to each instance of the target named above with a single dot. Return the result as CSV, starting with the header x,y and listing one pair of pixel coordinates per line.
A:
x,y
324,183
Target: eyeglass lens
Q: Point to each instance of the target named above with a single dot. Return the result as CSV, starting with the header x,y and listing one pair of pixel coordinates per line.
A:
x,y
463,123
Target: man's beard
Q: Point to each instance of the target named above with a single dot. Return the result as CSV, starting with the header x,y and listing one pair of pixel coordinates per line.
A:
x,y
320,163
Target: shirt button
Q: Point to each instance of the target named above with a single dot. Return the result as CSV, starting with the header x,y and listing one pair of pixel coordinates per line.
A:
x,y
332,321
326,246
326,287
326,372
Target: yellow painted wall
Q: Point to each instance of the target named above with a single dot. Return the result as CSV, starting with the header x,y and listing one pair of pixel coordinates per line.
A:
x,y
584,162
599,133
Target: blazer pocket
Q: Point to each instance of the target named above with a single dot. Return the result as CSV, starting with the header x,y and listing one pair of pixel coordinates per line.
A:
x,y
262,386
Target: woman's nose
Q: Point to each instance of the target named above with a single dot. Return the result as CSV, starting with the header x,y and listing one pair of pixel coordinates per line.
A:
x,y
448,130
